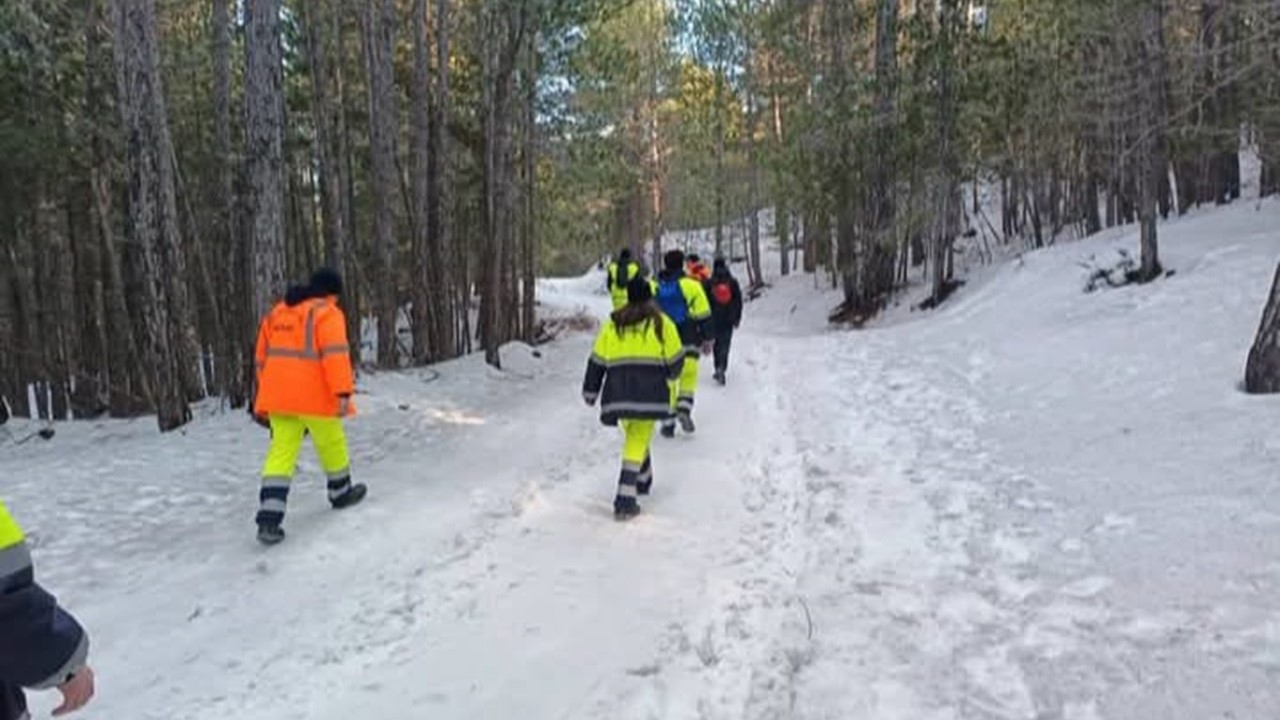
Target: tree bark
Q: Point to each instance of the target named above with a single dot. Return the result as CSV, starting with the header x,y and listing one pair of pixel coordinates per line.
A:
x,y
1262,370
151,199
233,356
379,48
264,113
1150,160
947,208
454,314
431,304
322,27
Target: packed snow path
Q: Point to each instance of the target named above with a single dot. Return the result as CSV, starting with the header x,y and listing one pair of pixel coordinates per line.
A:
x,y
951,519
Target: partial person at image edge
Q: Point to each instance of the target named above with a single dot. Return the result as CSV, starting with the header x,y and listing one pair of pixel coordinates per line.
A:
x,y
41,645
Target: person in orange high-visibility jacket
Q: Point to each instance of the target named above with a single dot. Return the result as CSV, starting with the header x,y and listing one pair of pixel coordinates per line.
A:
x,y
305,383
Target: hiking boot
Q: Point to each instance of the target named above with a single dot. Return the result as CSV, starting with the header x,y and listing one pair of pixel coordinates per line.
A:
x,y
269,534
686,422
351,497
625,508
719,376
668,430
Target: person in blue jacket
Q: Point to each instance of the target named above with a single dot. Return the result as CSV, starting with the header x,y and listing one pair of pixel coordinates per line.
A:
x,y
41,645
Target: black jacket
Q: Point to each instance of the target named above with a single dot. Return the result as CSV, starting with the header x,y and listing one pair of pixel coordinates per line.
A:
x,y
725,318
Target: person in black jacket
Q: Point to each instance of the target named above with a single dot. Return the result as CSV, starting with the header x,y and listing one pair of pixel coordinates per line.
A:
x,y
726,314
41,646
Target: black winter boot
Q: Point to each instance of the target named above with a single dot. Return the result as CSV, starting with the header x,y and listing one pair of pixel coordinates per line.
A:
x,y
351,497
625,508
270,534
668,429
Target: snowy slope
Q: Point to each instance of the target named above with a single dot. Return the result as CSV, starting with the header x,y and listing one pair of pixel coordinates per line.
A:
x,y
1034,503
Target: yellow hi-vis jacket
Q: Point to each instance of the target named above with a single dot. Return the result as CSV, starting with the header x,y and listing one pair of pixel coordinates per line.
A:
x,y
695,328
618,288
633,369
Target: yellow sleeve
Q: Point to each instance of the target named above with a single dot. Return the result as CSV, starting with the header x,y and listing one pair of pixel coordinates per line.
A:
x,y
696,297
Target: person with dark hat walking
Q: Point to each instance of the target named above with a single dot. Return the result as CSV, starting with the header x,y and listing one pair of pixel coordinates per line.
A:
x,y
684,301
726,314
305,384
621,272
637,358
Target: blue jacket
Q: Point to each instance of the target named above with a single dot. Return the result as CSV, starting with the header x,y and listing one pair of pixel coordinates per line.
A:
x,y
41,645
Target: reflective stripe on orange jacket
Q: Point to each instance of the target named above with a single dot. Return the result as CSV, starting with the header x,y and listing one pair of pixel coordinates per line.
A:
x,y
303,360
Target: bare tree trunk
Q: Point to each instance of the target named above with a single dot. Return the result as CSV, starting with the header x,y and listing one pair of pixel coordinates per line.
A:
x,y
1262,371
884,180
943,234
151,198
754,266
426,260
504,28
233,356
322,22
379,48
782,211
264,113
1151,167
528,280
717,98
451,310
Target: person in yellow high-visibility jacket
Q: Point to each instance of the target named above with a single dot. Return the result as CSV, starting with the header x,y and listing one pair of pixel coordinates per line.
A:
x,y
621,272
41,645
684,300
634,365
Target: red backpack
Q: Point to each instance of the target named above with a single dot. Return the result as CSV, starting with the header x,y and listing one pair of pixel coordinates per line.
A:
x,y
722,293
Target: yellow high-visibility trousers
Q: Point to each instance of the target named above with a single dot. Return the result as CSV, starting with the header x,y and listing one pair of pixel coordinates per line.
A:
x,y
637,467
688,384
287,433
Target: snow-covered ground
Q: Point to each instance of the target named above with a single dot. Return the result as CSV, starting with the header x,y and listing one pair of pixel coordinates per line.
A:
x,y
1033,504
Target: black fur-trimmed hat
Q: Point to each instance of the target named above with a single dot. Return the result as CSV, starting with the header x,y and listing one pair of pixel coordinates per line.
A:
x,y
326,281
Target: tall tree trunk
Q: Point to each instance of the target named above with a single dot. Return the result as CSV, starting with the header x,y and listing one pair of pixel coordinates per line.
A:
x,y
152,206
322,28
379,48
503,27
1150,160
719,189
454,311
264,151
233,356
755,271
945,225
884,178
529,264
426,260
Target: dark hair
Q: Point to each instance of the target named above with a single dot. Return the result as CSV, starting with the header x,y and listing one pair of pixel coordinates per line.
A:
x,y
673,260
623,264
633,314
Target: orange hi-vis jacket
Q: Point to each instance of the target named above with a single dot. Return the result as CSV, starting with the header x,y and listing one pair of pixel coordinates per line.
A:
x,y
303,360
698,271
